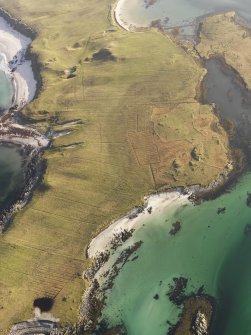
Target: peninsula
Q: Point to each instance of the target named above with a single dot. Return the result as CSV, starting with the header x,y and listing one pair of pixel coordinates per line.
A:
x,y
124,118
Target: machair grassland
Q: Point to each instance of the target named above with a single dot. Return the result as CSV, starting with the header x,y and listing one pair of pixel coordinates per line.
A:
x,y
138,123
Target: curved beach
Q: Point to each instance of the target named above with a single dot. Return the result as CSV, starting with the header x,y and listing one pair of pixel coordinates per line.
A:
x,y
154,205
13,50
118,8
13,47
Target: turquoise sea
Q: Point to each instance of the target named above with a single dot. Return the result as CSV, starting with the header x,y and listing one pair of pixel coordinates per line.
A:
x,y
6,87
210,250
179,12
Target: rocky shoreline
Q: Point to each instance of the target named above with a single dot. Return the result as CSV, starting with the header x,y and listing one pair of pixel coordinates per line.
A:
x,y
94,296
29,140
34,171
196,317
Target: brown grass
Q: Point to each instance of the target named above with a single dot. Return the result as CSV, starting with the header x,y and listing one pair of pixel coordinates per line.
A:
x,y
221,35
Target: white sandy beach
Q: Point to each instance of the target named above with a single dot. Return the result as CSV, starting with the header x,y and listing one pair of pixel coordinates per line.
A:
x,y
118,9
13,46
158,202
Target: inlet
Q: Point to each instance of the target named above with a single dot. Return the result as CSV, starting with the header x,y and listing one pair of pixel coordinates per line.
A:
x,y
226,89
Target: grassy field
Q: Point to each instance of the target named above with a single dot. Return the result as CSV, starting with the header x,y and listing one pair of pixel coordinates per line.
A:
x,y
139,128
220,35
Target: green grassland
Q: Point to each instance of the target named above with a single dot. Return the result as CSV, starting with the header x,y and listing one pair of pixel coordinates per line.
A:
x,y
122,147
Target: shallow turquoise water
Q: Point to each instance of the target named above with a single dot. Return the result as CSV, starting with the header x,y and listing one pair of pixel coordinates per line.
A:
x,y
211,250
179,12
6,91
6,87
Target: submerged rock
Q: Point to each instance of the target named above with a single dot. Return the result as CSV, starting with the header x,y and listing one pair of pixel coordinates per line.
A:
x,y
221,210
176,226
176,292
247,229
248,199
149,3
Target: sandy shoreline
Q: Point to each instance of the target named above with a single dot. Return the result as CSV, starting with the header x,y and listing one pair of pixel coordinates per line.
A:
x,y
117,12
13,51
112,247
13,47
156,203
